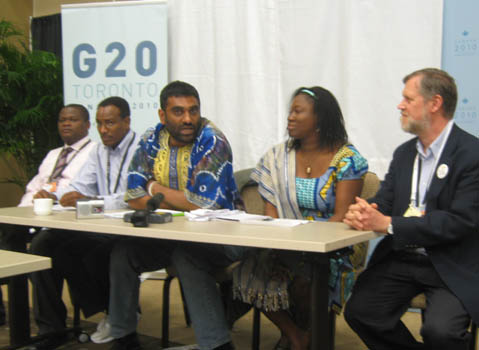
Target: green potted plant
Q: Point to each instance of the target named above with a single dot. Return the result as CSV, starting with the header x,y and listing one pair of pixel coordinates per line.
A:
x,y
30,99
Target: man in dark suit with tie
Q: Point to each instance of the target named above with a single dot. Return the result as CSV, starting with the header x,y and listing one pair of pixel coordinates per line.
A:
x,y
428,207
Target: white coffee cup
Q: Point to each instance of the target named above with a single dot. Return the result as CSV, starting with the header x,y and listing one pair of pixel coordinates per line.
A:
x,y
42,206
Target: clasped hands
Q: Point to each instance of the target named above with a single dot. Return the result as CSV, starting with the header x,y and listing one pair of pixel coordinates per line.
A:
x,y
44,194
366,216
70,199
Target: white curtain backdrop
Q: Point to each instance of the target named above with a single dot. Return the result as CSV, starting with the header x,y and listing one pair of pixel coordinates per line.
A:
x,y
246,57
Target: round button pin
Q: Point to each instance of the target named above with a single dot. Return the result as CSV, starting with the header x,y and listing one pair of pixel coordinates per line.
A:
x,y
442,171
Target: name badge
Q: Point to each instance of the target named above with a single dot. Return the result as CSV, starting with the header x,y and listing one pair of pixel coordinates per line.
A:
x,y
50,187
412,211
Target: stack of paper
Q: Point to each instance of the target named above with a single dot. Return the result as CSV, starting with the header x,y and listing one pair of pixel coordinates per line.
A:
x,y
277,222
223,214
59,207
242,217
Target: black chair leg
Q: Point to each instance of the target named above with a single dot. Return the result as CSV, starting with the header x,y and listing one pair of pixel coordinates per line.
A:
x,y
256,328
332,328
80,334
185,307
473,342
166,313
76,316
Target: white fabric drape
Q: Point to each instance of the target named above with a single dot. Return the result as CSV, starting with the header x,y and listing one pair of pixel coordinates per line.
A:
x,y
246,57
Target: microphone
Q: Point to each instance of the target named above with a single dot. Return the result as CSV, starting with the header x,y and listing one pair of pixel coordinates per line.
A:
x,y
143,217
154,202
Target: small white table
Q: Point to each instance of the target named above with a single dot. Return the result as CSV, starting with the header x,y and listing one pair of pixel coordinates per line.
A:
x,y
320,238
14,263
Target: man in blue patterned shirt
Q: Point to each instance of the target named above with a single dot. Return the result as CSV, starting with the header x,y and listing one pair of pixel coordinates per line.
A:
x,y
189,161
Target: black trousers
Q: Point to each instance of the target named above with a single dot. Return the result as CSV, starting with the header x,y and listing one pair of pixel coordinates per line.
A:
x,y
82,259
382,295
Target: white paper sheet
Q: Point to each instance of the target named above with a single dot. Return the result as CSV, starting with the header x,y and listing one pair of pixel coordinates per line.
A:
x,y
276,222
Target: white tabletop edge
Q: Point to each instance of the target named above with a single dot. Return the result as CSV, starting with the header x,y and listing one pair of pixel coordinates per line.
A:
x,y
315,237
15,263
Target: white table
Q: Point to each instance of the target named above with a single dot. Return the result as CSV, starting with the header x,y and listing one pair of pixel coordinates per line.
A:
x,y
316,237
14,263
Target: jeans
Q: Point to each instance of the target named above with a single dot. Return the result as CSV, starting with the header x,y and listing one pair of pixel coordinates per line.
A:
x,y
129,258
196,264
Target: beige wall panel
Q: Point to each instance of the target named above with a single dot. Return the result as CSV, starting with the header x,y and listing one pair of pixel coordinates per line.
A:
x,y
18,12
49,7
10,194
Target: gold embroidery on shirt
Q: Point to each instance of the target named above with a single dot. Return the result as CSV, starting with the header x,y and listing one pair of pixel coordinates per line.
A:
x,y
161,167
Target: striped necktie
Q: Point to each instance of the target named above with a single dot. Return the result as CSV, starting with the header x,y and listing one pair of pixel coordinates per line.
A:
x,y
61,164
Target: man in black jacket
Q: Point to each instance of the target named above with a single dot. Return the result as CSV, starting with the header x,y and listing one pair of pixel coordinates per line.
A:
x,y
428,208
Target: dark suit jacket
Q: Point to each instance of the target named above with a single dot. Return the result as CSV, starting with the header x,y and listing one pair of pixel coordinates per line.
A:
x,y
450,228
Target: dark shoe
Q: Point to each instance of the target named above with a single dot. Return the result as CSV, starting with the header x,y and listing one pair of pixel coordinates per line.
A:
x,y
50,343
128,342
227,346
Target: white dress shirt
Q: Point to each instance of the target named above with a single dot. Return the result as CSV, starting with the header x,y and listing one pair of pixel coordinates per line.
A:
x,y
429,162
92,180
79,156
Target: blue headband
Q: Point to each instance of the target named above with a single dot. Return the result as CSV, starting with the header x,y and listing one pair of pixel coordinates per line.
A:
x,y
310,93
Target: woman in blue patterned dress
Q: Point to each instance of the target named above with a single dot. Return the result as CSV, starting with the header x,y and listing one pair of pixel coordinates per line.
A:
x,y
315,174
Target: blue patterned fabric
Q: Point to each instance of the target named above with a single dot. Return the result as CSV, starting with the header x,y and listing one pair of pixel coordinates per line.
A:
x,y
260,280
305,190
210,181
317,197
276,178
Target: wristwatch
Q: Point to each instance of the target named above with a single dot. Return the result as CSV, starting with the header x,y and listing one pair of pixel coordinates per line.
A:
x,y
390,229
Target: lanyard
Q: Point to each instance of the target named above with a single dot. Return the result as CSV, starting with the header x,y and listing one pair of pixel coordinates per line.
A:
x,y
108,166
67,163
416,174
416,179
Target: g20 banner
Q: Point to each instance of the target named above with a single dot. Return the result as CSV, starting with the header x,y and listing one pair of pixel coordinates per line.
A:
x,y
116,49
460,57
